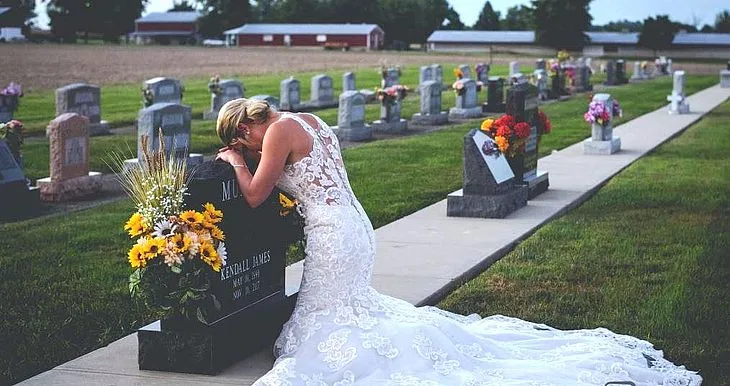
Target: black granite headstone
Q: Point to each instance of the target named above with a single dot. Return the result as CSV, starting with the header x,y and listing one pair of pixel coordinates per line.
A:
x,y
250,287
495,96
610,73
621,72
17,200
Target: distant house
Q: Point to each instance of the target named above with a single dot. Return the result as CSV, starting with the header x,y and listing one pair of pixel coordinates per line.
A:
x,y
338,36
685,44
167,28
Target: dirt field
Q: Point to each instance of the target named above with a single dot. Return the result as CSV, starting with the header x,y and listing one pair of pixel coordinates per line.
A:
x,y
43,66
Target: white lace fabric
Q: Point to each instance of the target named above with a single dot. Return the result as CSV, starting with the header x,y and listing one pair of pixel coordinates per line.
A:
x,y
343,332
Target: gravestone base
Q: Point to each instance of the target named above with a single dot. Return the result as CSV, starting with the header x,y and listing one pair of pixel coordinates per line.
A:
x,y
494,107
208,349
320,105
399,126
101,128
353,134
430,119
682,108
638,78
194,160
538,184
725,78
18,200
210,115
602,147
474,112
70,189
369,95
459,204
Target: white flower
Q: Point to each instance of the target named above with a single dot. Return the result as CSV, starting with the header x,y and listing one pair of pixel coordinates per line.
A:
x,y
163,229
194,244
222,252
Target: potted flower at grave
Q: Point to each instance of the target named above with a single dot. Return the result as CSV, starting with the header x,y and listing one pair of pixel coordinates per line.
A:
x,y
10,98
294,227
392,94
148,97
510,137
175,248
12,133
599,116
544,126
214,85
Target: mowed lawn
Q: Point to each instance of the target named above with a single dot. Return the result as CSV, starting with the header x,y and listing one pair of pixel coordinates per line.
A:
x,y
647,256
64,278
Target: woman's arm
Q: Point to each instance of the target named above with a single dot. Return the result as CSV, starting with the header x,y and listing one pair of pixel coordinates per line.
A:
x,y
274,152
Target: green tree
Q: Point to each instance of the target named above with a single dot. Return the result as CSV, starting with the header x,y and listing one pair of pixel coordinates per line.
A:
x,y
707,29
488,19
619,26
519,18
110,19
411,21
20,14
452,21
222,15
561,24
181,6
658,33
722,22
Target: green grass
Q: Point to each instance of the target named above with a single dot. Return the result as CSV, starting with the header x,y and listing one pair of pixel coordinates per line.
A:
x,y
637,99
647,256
64,277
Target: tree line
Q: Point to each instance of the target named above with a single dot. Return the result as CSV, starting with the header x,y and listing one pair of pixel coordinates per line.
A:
x,y
557,23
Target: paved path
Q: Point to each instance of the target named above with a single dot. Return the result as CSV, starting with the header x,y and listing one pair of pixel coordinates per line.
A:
x,y
423,256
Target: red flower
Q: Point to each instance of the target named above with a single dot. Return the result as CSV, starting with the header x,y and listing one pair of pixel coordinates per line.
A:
x,y
522,129
506,120
544,122
504,131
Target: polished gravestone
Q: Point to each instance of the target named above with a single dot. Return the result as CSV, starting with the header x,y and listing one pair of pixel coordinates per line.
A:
x,y
495,96
18,199
250,287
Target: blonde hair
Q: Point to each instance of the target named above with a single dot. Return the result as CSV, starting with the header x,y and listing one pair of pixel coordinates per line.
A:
x,y
237,111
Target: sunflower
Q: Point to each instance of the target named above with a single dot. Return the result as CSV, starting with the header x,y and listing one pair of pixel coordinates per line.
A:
x,y
502,143
192,217
136,225
136,256
181,243
208,254
286,204
214,214
487,124
217,233
153,247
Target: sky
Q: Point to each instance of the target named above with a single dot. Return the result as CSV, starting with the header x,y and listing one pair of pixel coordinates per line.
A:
x,y
695,12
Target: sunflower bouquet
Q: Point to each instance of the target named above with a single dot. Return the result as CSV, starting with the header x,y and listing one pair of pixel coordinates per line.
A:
x,y
176,249
214,85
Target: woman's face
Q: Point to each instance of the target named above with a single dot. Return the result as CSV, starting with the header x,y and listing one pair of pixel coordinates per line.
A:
x,y
254,137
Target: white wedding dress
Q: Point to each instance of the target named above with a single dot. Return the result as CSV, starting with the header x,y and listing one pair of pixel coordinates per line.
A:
x,y
343,332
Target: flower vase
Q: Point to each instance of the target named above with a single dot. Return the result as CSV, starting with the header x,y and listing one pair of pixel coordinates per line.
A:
x,y
601,132
517,164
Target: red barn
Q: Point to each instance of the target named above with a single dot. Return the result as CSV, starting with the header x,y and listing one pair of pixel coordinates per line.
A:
x,y
167,28
340,36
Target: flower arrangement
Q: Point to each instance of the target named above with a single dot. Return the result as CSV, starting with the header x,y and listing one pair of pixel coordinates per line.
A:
x,y
175,248
294,227
391,94
458,73
11,95
480,68
563,56
12,132
214,85
148,97
554,66
544,125
599,113
509,135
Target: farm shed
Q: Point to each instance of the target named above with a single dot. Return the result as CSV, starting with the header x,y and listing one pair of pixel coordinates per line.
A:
x,y
338,36
167,28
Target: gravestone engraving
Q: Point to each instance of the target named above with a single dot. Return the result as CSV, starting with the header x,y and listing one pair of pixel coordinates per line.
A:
x,y
270,99
351,118
430,113
18,200
466,101
69,147
678,102
164,90
289,97
495,96
602,141
611,73
489,189
348,82
322,92
83,99
173,120
231,89
249,287
522,103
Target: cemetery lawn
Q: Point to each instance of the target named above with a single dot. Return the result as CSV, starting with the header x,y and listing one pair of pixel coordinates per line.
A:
x,y
646,256
64,277
567,117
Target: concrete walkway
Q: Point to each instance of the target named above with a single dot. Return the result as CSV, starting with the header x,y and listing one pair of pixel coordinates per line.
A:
x,y
423,256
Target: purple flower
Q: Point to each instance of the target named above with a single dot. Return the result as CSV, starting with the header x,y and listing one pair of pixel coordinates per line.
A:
x,y
13,89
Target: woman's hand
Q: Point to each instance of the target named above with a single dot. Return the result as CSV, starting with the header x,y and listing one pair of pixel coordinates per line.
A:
x,y
230,155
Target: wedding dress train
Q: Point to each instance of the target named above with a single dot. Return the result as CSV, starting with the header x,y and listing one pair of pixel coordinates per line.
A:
x,y
343,332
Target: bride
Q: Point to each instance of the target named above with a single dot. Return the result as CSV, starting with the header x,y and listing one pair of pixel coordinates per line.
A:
x,y
343,332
